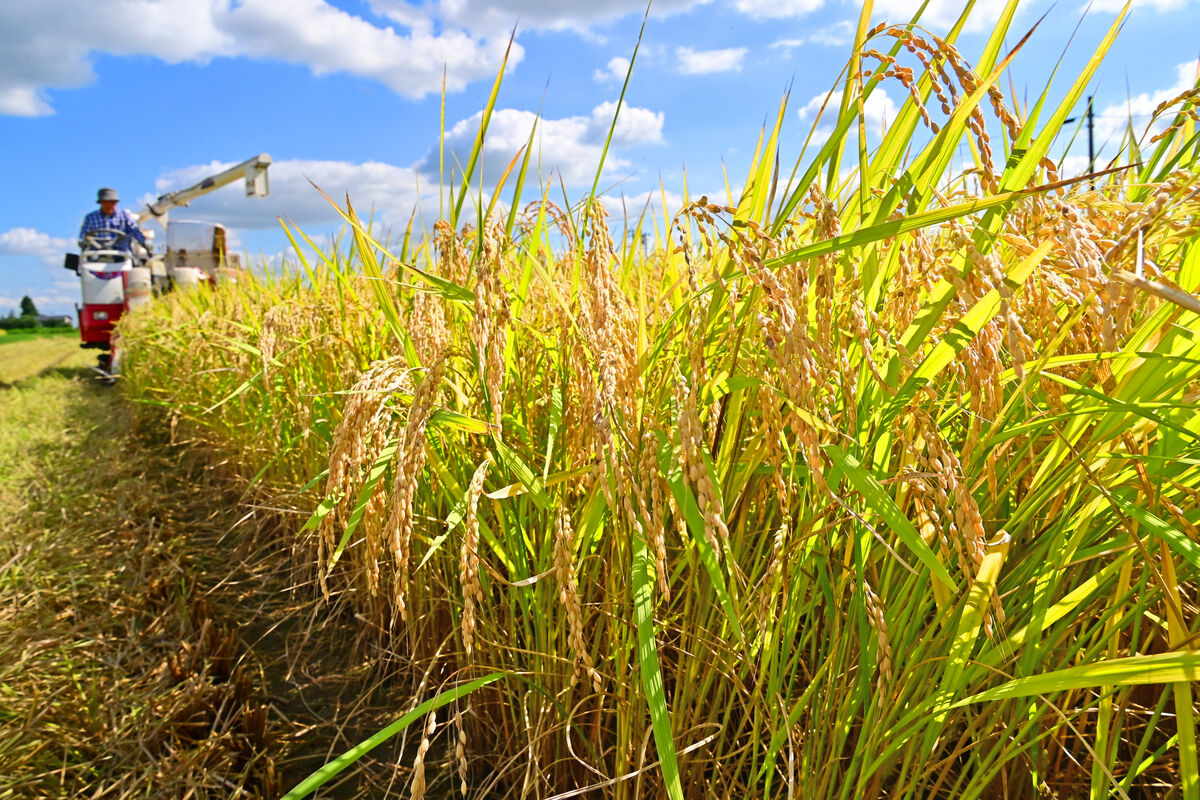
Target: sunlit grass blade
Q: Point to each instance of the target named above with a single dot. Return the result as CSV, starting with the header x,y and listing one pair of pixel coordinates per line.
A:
x,y
650,668
477,148
339,764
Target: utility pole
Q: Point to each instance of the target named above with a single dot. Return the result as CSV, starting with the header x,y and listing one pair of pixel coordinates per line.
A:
x,y
1091,126
1091,120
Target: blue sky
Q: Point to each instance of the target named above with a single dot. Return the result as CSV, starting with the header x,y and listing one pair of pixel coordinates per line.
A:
x,y
150,95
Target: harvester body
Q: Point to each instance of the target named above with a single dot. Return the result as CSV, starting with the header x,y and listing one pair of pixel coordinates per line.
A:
x,y
103,276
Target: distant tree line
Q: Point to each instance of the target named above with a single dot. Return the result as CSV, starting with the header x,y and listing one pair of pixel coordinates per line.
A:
x,y
30,318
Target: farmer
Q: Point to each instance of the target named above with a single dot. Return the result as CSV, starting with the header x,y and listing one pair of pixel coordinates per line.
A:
x,y
112,225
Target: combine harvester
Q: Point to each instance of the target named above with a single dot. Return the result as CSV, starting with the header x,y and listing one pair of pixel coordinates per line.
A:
x,y
113,280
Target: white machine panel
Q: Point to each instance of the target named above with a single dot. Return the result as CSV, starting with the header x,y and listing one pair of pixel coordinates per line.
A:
x,y
189,235
103,283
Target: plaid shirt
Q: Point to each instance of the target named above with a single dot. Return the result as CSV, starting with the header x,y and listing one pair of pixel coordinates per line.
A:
x,y
121,221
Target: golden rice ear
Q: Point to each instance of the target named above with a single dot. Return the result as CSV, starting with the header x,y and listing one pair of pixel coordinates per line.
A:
x,y
470,557
489,330
650,498
695,470
460,751
409,465
568,595
366,426
418,778
429,329
883,655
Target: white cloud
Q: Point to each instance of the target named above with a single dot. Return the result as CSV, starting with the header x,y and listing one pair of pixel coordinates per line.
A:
x,y
626,210
839,34
31,264
391,191
569,147
878,111
498,17
705,62
939,14
1074,165
634,125
1111,121
1113,6
23,101
51,43
1114,120
327,39
614,71
777,9
30,242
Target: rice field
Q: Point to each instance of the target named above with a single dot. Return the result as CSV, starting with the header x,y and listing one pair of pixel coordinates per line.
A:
x,y
877,477
23,357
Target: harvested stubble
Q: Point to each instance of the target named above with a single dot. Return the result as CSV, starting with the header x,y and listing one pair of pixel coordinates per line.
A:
x,y
752,514
25,357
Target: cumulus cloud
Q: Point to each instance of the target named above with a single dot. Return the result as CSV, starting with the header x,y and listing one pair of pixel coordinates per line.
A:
x,y
777,9
569,147
939,14
839,34
706,62
31,242
497,17
31,264
614,71
327,39
878,110
48,43
51,43
391,192
1113,6
634,125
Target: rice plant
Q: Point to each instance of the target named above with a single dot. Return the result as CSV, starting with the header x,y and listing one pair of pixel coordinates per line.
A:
x,y
875,480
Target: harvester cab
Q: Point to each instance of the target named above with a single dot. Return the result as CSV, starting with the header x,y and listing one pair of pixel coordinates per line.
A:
x,y
113,280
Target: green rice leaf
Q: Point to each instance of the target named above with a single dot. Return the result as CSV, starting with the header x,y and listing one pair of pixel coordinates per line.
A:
x,y
516,465
906,224
1182,666
448,420
1179,542
650,669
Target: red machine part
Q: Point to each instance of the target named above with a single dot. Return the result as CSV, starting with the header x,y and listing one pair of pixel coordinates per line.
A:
x,y
96,323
